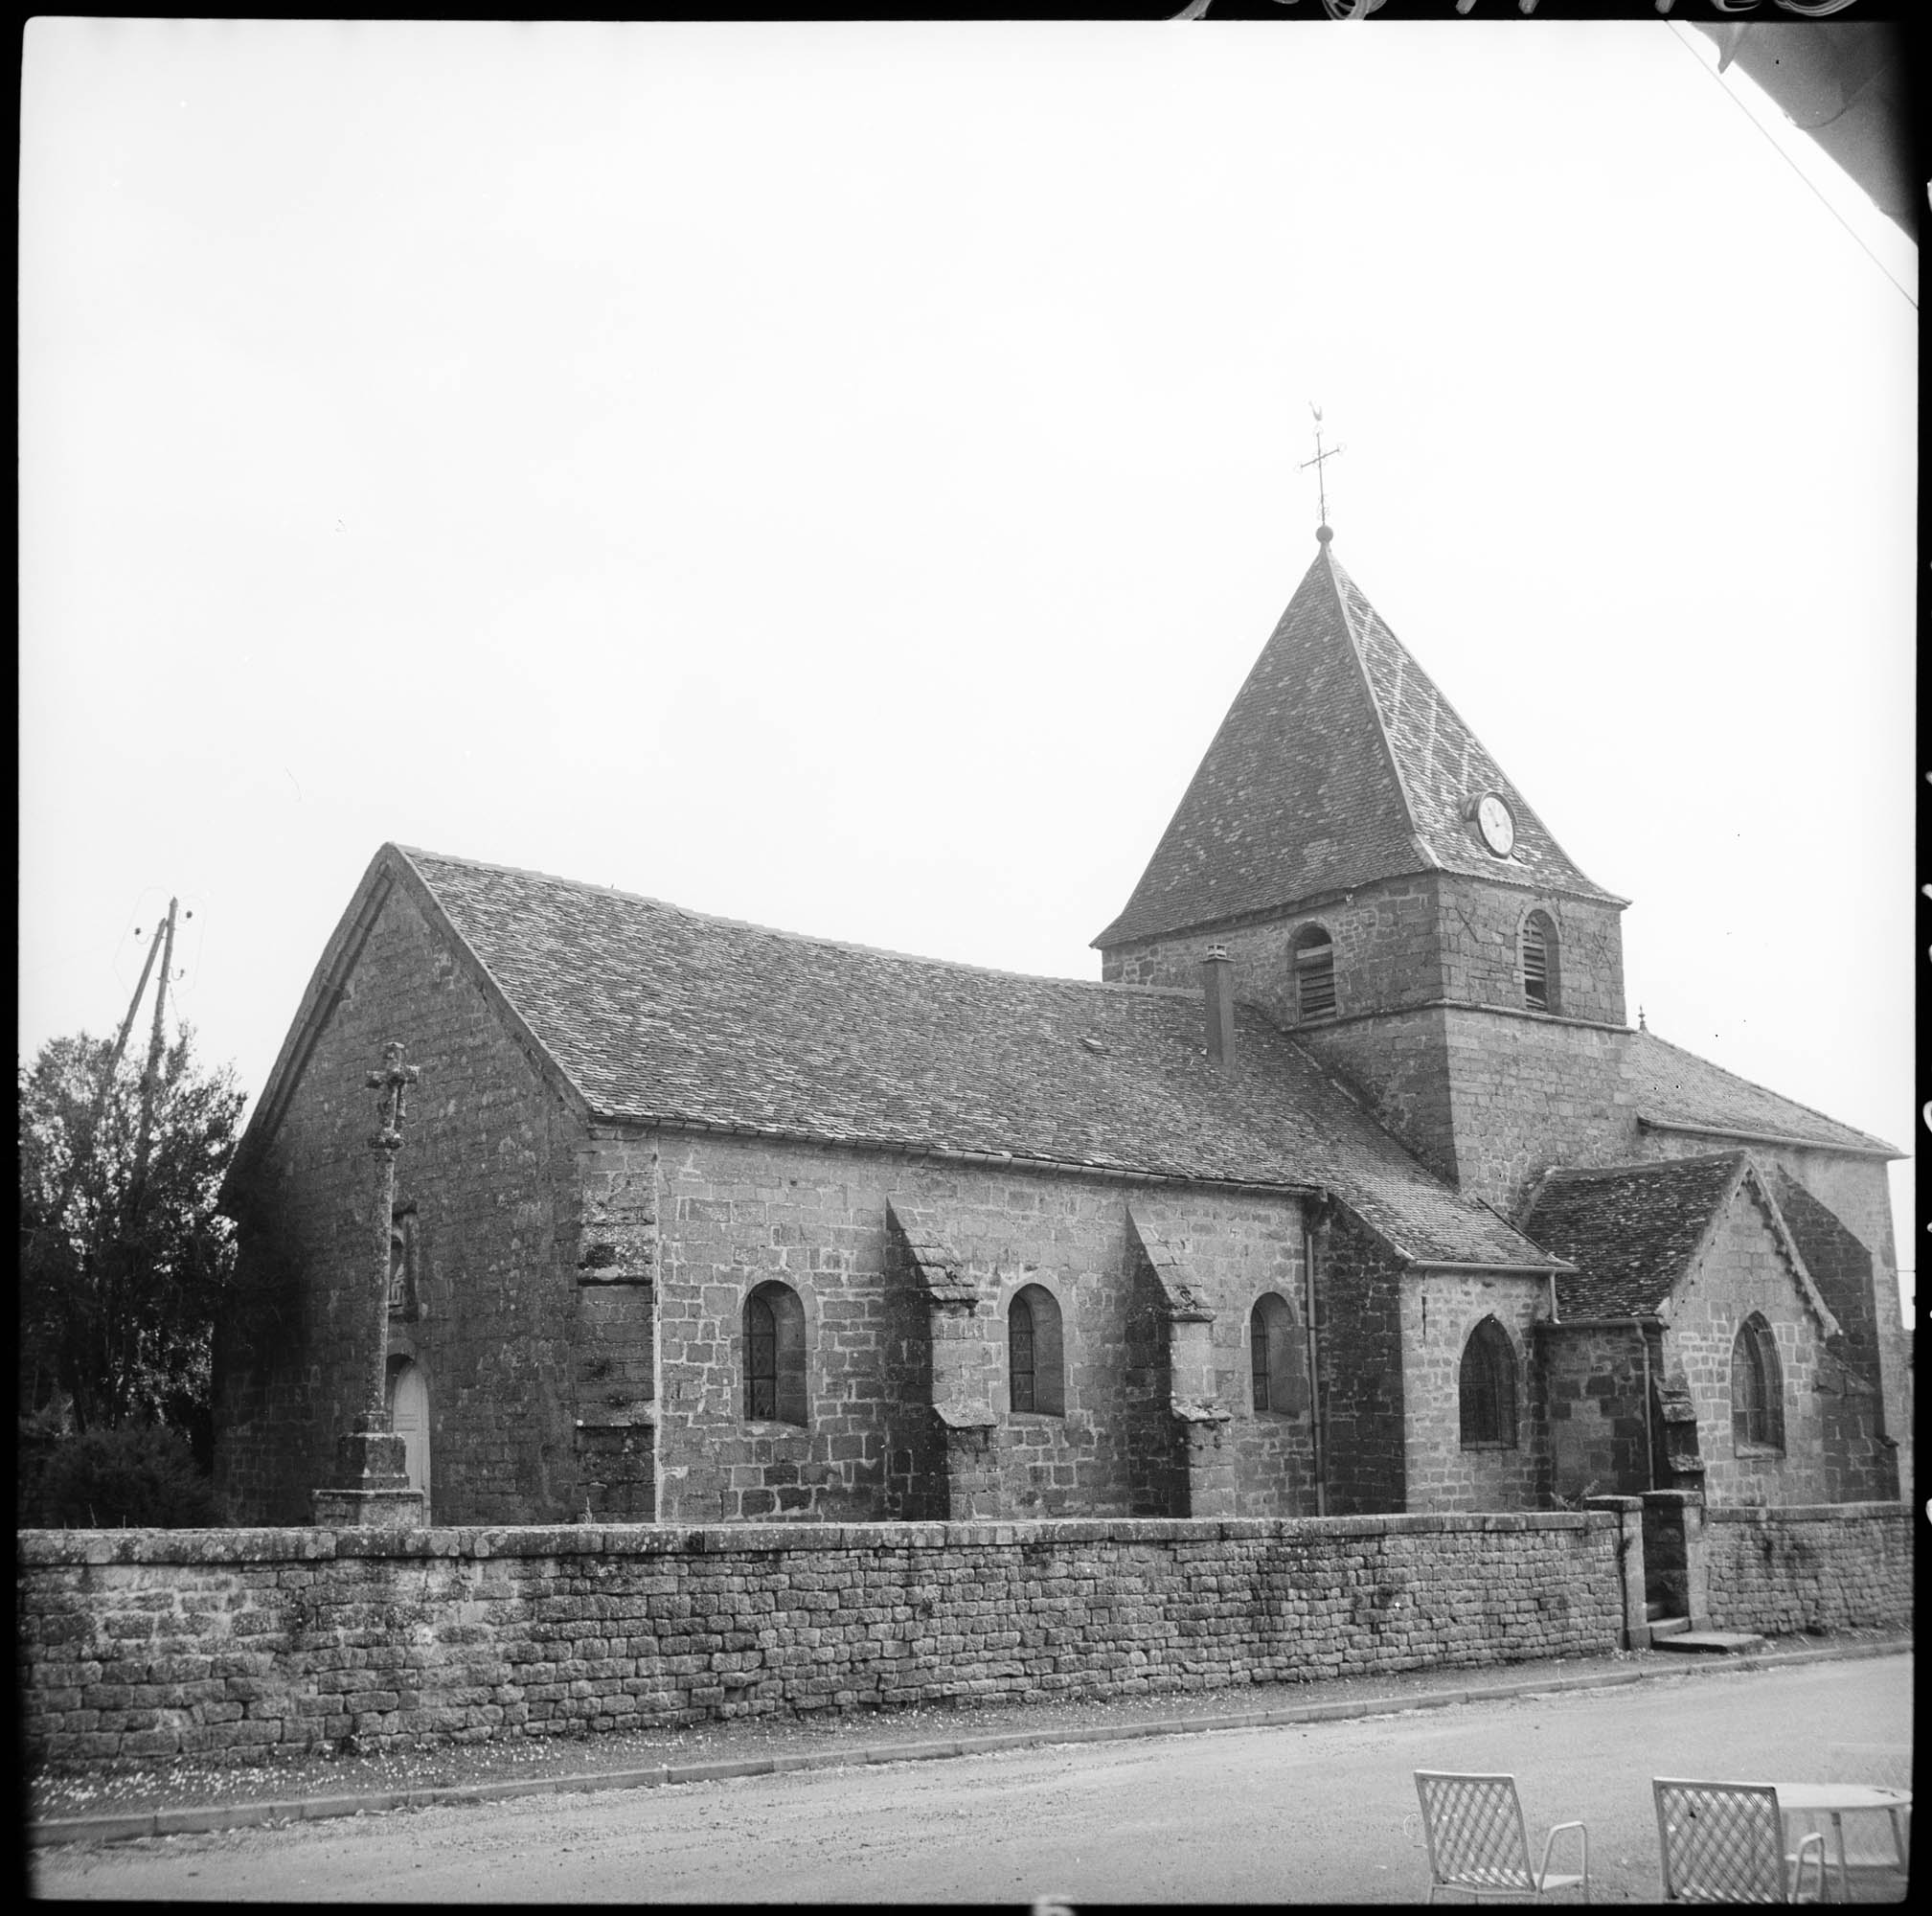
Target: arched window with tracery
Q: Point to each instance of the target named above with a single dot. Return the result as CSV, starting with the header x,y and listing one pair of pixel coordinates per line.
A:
x,y
1314,962
1539,961
1487,1386
1756,1387
774,1354
1035,1357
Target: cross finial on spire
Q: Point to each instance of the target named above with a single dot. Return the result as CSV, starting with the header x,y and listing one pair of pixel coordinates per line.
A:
x,y
1322,531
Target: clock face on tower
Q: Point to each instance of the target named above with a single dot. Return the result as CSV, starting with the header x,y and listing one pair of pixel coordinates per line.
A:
x,y
1493,820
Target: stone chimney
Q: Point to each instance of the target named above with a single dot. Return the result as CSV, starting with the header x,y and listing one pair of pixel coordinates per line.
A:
x,y
1217,980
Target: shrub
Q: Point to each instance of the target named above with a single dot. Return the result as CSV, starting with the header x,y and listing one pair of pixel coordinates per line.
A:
x,y
142,1476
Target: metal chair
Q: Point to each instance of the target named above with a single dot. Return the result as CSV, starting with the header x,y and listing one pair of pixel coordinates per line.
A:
x,y
1477,1842
1724,1842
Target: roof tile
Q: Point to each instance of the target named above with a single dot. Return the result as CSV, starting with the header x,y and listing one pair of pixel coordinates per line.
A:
x,y
1678,1088
1339,764
658,1015
1630,1231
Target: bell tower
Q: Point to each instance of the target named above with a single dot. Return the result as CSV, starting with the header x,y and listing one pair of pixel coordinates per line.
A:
x,y
1386,894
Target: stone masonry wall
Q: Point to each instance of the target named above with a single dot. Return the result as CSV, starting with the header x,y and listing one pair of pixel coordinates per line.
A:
x,y
1743,1270
1481,932
136,1646
1403,942
616,1356
1834,1567
487,1160
1386,945
1594,1383
1235,1251
1530,1093
1440,1310
1358,1328
740,1211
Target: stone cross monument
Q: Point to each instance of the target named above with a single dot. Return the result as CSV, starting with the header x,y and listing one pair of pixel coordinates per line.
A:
x,y
371,1473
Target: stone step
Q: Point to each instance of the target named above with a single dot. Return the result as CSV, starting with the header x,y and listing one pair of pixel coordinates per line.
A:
x,y
1663,1626
1705,1642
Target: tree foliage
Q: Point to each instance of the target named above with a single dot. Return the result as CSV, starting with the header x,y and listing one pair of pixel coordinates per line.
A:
x,y
122,1266
139,1474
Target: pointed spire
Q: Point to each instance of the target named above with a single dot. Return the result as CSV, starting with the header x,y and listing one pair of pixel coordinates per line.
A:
x,y
1338,764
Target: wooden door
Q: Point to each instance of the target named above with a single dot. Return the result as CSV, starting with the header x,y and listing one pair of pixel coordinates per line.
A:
x,y
409,1418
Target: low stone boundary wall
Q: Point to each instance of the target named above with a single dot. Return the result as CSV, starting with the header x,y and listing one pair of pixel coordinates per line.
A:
x,y
240,1644
1809,1567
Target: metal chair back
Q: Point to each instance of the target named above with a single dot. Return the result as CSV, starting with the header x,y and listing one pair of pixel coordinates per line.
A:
x,y
1477,1842
1474,1828
1724,1842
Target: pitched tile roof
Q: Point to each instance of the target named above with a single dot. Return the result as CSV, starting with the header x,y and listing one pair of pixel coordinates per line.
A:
x,y
1630,1231
1675,1089
659,1014
1338,764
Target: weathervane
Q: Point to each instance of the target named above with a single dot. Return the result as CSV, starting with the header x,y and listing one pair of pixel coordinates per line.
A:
x,y
1322,531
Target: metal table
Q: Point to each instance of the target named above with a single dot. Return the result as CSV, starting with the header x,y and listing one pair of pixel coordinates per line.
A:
x,y
1838,1800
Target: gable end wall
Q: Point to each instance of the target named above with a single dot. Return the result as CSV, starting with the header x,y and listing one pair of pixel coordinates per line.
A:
x,y
1743,1268
1870,1435
489,1161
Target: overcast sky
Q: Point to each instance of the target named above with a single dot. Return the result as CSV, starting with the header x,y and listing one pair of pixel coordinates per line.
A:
x,y
839,476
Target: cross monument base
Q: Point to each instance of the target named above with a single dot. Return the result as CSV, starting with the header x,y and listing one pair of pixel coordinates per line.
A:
x,y
372,1489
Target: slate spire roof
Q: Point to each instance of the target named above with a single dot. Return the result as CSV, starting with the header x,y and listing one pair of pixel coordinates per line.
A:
x,y
1338,764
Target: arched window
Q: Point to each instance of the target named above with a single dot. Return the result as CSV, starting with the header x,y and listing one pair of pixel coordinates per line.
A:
x,y
1036,1367
774,1354
1314,958
1756,1387
1278,1357
1539,961
1488,1388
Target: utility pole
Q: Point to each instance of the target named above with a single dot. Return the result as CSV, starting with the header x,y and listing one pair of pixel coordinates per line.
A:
x,y
78,1150
151,1077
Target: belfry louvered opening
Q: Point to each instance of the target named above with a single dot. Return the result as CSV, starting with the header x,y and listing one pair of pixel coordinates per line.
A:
x,y
1539,961
1314,976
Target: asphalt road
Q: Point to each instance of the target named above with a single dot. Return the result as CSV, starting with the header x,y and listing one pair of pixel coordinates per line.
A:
x,y
1307,1812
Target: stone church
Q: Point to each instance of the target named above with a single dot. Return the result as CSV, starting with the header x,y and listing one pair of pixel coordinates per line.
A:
x,y
1348,1189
